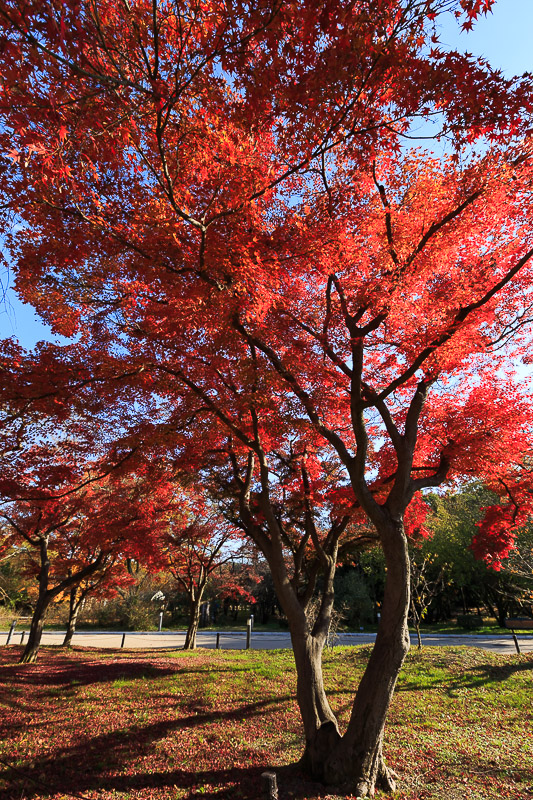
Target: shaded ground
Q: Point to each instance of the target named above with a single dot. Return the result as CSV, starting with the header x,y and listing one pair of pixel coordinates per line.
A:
x,y
171,726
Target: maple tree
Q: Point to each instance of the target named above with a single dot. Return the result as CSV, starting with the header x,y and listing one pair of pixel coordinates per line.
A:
x,y
503,536
422,285
235,584
69,496
218,193
58,414
78,531
495,537
404,394
197,542
104,583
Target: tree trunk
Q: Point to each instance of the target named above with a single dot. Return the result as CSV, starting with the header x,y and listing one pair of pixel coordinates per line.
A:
x,y
194,621
75,604
308,637
31,650
416,620
320,725
418,637
357,762
46,596
44,599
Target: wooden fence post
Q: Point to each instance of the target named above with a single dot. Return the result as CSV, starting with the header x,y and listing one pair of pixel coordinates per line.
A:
x,y
270,785
10,634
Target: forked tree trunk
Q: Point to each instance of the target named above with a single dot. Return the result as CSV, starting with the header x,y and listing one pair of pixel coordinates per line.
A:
x,y
46,596
357,762
354,761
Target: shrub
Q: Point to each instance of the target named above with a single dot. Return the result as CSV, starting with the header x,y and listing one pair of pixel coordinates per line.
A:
x,y
469,621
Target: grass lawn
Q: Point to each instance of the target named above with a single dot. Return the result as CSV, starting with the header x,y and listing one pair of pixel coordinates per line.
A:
x,y
152,726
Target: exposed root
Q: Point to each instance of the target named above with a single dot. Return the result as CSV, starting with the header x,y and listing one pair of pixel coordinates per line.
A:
x,y
29,658
319,748
386,779
360,778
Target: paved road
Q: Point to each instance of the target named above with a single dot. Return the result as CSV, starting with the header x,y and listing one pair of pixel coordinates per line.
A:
x,y
236,640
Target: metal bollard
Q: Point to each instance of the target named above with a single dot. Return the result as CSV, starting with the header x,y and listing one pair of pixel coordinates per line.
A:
x,y
218,640
10,634
248,634
270,785
123,640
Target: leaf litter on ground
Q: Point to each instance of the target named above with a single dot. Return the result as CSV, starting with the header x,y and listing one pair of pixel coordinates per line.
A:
x,y
176,726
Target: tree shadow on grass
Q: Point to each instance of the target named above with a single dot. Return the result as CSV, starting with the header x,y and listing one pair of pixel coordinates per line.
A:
x,y
65,672
222,784
473,676
219,784
486,674
25,684
98,764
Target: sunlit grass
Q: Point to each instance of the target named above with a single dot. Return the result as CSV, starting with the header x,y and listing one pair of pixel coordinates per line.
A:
x,y
152,726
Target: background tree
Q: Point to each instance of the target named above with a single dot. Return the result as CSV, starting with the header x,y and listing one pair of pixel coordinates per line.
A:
x,y
424,589
77,525
503,538
13,585
196,544
236,584
519,567
105,582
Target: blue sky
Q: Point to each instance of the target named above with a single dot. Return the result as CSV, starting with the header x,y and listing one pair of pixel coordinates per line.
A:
x,y
503,37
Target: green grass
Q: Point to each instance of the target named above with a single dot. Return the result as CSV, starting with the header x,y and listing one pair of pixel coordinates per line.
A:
x,y
490,627
180,725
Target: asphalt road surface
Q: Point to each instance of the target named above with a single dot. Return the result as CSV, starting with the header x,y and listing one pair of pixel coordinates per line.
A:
x,y
236,640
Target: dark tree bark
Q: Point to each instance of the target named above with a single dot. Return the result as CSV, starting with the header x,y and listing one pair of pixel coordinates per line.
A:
x,y
46,596
194,619
320,724
44,599
358,759
31,650
308,633
74,608
308,638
